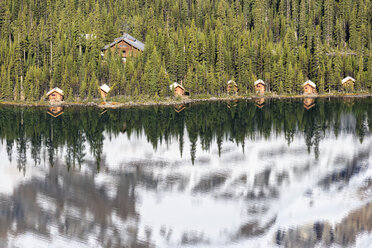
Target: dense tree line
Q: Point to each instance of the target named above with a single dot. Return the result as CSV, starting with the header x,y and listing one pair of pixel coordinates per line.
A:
x,y
202,43
32,129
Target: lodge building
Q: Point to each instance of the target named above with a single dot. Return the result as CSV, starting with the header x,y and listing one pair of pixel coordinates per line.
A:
x,y
126,45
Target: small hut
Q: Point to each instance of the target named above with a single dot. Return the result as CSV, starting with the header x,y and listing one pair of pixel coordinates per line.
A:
x,y
310,87
104,90
55,95
348,83
55,111
309,103
177,89
259,86
232,87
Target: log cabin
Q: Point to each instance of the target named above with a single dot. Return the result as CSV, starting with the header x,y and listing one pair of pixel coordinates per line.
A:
x,y
348,83
126,46
232,87
309,87
104,90
55,95
259,87
177,89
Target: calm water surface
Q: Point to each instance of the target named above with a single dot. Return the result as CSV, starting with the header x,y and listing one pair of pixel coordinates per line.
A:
x,y
290,173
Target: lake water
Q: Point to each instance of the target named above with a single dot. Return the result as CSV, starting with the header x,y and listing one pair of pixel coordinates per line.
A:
x,y
264,173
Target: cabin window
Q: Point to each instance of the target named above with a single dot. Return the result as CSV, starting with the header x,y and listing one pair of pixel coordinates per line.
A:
x,y
124,51
53,95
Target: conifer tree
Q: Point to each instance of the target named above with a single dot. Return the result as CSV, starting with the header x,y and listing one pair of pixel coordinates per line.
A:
x,y
201,43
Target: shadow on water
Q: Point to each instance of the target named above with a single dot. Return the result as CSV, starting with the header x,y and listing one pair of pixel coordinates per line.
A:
x,y
236,162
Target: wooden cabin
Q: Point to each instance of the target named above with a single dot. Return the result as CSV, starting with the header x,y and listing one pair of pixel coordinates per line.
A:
x,y
178,90
309,87
55,111
55,95
260,103
104,90
232,87
260,86
309,103
348,83
126,46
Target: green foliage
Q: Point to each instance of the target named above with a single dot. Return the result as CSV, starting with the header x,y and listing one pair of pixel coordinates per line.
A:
x,y
201,43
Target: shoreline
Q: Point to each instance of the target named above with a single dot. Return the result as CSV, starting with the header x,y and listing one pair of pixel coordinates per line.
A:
x,y
172,101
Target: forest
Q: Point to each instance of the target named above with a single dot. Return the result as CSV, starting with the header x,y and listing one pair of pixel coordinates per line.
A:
x,y
203,43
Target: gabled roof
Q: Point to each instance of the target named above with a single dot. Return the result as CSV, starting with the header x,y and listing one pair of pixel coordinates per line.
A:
x,y
232,82
105,88
56,89
347,79
259,81
311,83
175,85
128,39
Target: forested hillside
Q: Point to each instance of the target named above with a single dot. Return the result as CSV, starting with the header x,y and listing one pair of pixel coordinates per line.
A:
x,y
204,43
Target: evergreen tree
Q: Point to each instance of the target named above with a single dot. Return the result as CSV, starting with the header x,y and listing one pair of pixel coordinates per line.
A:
x,y
199,43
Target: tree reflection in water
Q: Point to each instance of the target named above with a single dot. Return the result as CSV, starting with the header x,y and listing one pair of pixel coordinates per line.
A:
x,y
111,178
